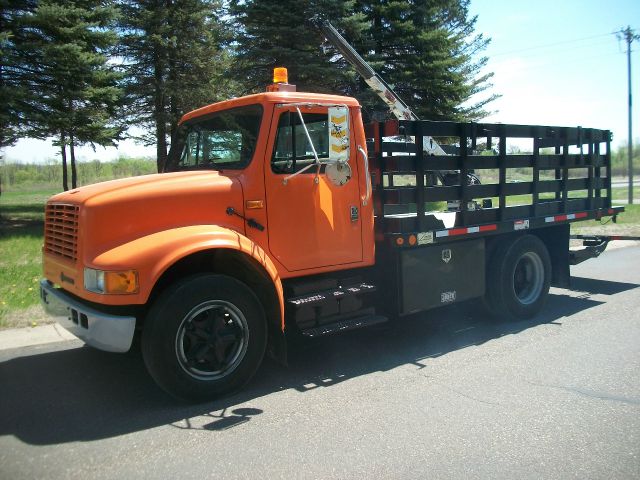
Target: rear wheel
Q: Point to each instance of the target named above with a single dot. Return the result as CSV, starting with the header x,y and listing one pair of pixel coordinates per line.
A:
x,y
204,337
518,278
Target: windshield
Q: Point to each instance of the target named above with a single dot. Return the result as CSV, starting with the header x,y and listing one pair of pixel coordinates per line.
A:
x,y
223,140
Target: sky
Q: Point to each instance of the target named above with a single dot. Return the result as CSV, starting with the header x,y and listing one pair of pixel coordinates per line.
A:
x,y
555,62
559,63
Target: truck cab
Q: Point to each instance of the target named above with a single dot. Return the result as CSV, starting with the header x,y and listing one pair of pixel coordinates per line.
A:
x,y
269,144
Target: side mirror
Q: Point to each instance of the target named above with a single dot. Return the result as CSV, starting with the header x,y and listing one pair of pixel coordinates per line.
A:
x,y
338,134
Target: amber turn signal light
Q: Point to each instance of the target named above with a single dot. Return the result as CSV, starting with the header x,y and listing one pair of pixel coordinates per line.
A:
x,y
121,282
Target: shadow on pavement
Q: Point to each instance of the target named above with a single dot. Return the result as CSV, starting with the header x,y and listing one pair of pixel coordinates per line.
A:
x,y
82,394
602,287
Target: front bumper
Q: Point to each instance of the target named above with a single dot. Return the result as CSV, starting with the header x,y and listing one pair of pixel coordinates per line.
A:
x,y
111,333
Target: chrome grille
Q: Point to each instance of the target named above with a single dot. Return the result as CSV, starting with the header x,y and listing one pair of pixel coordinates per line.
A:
x,y
61,230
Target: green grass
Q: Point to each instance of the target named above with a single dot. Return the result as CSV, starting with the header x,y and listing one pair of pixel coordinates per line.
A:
x,y
21,227
623,193
627,223
25,197
630,216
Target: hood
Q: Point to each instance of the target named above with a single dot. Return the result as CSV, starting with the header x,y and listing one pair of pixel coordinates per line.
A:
x,y
118,211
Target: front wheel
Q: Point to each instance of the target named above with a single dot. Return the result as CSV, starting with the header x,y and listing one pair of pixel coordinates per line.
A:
x,y
518,278
204,337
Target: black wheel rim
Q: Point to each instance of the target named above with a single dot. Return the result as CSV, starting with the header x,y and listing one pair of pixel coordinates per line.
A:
x,y
528,278
212,340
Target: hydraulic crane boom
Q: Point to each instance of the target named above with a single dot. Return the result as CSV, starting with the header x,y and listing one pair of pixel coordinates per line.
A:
x,y
398,107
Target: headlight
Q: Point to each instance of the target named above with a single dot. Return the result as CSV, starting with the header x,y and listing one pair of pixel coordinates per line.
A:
x,y
99,281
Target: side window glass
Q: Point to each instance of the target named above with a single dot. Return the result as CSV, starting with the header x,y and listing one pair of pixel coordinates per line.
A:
x,y
292,151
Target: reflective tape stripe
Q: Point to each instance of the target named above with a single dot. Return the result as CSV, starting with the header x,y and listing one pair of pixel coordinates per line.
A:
x,y
465,231
562,218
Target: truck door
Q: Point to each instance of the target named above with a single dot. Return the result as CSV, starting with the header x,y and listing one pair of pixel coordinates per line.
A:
x,y
313,222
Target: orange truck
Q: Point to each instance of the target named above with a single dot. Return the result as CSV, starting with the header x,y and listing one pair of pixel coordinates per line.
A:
x,y
281,215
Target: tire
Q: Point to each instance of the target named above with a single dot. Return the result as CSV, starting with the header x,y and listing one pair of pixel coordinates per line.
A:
x,y
518,278
204,337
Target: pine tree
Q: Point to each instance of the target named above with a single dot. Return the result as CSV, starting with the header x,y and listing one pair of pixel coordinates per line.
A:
x,y
13,92
428,51
274,33
174,62
58,63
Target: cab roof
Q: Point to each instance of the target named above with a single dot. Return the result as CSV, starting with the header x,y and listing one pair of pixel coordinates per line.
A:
x,y
271,97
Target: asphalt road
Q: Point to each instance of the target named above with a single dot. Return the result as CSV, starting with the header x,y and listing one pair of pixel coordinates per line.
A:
x,y
455,396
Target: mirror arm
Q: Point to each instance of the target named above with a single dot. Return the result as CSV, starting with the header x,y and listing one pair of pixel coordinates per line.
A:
x,y
302,170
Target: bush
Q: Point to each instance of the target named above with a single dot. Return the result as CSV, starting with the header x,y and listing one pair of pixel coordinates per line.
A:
x,y
19,176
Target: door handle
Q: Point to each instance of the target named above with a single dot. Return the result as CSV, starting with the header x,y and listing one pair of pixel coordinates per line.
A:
x,y
365,160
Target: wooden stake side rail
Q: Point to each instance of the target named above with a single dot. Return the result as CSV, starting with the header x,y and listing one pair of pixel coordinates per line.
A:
x,y
576,162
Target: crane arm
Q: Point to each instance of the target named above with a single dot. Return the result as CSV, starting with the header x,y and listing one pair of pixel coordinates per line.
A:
x,y
397,106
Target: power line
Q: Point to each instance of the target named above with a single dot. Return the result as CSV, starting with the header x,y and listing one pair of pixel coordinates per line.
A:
x,y
554,44
552,62
563,51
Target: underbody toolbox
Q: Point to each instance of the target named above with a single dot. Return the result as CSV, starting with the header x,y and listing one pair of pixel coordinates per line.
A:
x,y
441,274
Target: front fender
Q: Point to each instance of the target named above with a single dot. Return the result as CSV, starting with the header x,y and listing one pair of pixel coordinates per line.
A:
x,y
153,254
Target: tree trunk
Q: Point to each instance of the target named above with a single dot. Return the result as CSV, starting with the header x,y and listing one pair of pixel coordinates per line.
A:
x,y
74,172
173,104
159,114
63,152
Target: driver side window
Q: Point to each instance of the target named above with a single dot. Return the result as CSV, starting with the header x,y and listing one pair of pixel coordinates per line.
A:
x,y
292,151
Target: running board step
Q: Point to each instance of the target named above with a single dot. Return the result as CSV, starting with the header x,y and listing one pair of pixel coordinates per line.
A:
x,y
334,294
344,325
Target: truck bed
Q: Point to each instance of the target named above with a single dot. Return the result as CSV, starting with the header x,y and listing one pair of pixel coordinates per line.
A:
x,y
559,174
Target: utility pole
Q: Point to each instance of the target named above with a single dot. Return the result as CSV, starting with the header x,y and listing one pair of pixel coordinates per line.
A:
x,y
629,35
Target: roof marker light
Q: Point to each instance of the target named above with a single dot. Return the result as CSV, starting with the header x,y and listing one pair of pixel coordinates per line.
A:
x,y
281,81
280,75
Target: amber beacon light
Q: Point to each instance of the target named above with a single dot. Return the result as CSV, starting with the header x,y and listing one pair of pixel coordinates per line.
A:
x,y
280,75
281,81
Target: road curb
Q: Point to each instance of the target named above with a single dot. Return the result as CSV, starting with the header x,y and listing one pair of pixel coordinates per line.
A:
x,y
29,336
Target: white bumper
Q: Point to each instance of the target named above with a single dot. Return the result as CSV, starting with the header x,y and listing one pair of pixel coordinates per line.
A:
x,y
111,333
